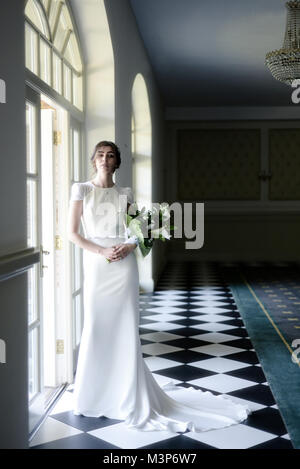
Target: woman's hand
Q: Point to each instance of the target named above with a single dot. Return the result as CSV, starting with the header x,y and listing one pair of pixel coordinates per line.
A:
x,y
118,252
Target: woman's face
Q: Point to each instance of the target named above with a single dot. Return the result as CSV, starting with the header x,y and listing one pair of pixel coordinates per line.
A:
x,y
105,160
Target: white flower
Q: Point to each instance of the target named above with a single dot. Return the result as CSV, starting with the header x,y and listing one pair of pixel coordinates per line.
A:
x,y
164,207
165,233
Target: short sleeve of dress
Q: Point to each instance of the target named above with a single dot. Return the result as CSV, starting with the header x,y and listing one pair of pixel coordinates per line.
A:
x,y
130,197
77,192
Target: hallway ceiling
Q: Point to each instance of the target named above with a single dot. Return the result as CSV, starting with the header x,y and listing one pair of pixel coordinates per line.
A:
x,y
211,53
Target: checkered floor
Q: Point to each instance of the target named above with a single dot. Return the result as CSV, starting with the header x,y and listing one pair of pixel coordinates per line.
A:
x,y
192,332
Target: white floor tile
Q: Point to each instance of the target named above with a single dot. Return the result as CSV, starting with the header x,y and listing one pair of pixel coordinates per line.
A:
x,y
53,430
202,297
212,318
167,303
159,349
210,310
162,380
164,317
206,293
208,303
217,350
219,365
222,383
161,326
216,337
159,363
169,292
234,437
160,336
213,326
169,296
165,309
126,438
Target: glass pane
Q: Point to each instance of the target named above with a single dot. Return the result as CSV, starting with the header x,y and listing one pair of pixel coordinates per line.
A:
x,y
32,294
74,323
142,172
63,26
76,155
77,91
57,73
36,15
72,53
46,4
33,386
54,5
77,320
31,213
60,36
31,47
45,57
67,83
31,138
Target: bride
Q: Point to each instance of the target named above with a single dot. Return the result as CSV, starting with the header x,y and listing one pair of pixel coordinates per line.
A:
x,y
112,378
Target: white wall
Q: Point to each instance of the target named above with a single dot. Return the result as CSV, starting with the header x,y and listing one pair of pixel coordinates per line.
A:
x,y
99,85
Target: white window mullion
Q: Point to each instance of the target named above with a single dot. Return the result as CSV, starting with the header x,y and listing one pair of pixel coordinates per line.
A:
x,y
55,28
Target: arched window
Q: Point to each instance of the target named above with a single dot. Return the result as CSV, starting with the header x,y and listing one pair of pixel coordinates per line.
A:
x,y
52,50
141,128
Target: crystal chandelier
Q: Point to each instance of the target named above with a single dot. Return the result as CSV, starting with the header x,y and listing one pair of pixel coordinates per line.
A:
x,y
284,64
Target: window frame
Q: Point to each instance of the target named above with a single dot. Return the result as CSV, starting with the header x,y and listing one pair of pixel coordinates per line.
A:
x,y
48,88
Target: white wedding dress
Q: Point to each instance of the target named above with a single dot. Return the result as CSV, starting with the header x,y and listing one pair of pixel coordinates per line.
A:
x,y
112,378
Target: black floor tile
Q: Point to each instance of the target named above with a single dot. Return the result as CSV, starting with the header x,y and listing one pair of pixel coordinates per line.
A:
x,y
252,373
81,441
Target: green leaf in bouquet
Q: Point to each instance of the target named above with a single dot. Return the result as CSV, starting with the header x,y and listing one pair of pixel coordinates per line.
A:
x,y
144,249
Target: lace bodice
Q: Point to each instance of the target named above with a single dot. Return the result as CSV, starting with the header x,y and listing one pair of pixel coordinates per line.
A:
x,y
104,209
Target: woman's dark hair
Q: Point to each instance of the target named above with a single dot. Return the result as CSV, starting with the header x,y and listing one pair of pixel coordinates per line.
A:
x,y
106,143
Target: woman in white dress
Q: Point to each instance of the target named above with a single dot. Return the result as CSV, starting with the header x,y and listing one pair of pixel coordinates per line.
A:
x,y
112,378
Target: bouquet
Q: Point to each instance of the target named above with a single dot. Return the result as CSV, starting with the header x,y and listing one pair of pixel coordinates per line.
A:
x,y
148,225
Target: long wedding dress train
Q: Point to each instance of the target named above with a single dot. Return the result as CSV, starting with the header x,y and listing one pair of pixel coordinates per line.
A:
x,y
112,378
